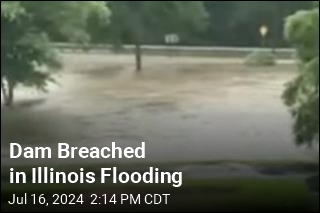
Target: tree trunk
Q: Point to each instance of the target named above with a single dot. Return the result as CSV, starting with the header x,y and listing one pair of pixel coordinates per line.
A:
x,y
138,57
4,91
11,86
8,92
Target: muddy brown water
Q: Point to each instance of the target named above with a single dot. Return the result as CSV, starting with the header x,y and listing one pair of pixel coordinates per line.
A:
x,y
185,109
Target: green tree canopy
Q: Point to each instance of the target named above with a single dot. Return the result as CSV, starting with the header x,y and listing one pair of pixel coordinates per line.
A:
x,y
302,94
140,22
236,23
228,23
27,27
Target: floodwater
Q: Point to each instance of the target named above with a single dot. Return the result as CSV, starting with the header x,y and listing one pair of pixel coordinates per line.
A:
x,y
185,109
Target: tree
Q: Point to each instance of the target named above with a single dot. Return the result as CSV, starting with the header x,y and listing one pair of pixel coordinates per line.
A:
x,y
27,27
302,94
140,22
236,23
229,23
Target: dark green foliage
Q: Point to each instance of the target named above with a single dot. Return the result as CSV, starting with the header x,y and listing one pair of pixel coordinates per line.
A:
x,y
302,94
143,22
236,23
228,23
27,28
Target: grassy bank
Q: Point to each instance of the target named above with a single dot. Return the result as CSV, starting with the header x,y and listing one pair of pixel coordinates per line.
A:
x,y
216,194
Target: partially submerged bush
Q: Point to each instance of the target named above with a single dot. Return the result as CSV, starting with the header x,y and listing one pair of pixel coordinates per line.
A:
x,y
260,58
302,93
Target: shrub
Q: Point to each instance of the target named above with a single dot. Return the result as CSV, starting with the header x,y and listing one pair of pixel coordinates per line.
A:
x,y
260,58
302,93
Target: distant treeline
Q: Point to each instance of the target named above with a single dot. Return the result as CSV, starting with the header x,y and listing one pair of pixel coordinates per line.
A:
x,y
237,23
229,23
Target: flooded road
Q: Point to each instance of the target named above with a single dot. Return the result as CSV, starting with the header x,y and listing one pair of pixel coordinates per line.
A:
x,y
185,109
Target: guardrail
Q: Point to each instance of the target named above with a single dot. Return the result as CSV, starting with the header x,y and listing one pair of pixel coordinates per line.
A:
x,y
174,50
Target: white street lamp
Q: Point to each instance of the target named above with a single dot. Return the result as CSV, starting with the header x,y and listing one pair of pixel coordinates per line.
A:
x,y
263,32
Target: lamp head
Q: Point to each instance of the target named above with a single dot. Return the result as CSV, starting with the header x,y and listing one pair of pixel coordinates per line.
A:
x,y
264,30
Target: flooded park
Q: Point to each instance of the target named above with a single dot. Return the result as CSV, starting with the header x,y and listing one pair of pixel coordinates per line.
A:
x,y
185,109
114,102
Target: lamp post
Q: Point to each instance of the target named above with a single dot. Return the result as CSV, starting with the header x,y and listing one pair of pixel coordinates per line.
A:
x,y
263,32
